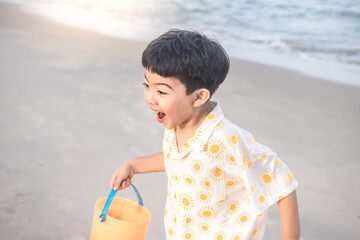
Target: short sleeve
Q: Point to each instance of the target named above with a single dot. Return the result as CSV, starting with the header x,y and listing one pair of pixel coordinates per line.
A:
x,y
266,178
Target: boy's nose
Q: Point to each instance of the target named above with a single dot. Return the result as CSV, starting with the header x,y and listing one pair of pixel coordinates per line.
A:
x,y
150,102
149,98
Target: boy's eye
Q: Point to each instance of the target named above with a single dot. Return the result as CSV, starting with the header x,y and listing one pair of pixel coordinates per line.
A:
x,y
162,93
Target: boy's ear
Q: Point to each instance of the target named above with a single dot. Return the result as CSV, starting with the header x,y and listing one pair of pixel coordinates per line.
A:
x,y
201,96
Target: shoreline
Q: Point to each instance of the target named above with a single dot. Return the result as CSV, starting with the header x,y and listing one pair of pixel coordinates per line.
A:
x,y
335,72
320,70
72,111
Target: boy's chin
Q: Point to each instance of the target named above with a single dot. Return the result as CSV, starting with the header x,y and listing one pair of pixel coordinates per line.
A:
x,y
168,126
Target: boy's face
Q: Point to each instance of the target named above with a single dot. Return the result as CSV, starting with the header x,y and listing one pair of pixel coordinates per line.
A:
x,y
167,97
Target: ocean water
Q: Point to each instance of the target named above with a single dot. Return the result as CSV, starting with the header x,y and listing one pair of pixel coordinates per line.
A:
x,y
316,37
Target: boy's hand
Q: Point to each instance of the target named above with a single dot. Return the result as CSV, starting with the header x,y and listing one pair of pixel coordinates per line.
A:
x,y
123,175
146,164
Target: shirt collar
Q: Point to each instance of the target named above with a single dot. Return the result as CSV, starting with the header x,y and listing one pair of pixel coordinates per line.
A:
x,y
202,134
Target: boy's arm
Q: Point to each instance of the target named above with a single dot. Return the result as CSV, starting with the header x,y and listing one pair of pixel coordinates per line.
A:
x,y
146,164
290,226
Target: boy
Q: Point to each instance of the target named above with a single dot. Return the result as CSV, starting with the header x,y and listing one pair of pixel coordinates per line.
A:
x,y
220,180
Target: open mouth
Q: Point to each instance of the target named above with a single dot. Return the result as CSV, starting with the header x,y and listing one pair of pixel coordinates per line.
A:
x,y
160,117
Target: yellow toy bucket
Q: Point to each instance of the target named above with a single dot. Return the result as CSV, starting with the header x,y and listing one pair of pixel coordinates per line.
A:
x,y
122,220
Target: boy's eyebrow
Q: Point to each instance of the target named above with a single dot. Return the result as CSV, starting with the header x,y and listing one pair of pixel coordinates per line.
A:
x,y
164,84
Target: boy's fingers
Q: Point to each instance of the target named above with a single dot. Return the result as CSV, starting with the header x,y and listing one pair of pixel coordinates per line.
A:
x,y
112,181
128,182
117,184
114,178
125,183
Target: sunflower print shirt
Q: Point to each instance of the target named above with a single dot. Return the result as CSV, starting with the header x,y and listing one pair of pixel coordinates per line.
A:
x,y
221,183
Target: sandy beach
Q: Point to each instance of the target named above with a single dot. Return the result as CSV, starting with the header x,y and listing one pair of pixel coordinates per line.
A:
x,y
72,110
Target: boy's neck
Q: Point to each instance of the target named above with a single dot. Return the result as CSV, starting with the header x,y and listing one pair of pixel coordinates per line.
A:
x,y
184,131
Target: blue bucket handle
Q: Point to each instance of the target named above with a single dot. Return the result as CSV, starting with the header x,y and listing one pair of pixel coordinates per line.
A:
x,y
102,216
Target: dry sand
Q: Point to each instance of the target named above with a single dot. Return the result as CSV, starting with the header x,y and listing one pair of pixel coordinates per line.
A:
x,y
71,111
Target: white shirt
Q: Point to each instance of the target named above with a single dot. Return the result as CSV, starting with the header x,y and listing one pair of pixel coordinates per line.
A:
x,y
221,183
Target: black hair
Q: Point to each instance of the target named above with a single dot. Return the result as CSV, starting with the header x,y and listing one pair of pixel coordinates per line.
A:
x,y
194,59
